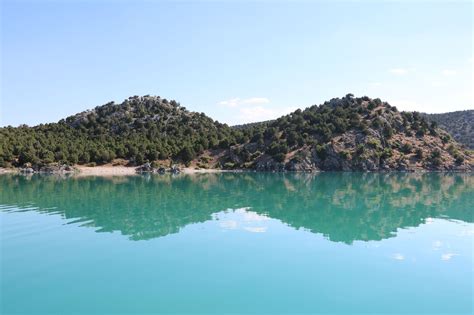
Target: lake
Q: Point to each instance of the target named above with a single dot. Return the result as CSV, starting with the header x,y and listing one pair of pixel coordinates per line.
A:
x,y
238,243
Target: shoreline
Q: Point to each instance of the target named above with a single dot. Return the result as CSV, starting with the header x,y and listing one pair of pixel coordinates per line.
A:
x,y
120,170
109,170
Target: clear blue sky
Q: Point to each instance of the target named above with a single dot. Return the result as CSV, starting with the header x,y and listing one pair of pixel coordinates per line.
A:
x,y
237,61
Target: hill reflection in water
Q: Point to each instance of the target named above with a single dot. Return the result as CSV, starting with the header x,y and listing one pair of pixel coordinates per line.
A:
x,y
344,207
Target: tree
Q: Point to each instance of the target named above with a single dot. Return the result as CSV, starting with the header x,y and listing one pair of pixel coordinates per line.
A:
x,y
186,155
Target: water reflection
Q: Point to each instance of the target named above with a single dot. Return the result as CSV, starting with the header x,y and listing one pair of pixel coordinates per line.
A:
x,y
343,206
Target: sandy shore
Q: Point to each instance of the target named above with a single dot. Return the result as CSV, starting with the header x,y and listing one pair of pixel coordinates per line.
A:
x,y
7,170
104,170
109,170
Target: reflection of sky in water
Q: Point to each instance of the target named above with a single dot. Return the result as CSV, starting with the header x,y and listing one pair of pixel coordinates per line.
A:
x,y
415,244
242,219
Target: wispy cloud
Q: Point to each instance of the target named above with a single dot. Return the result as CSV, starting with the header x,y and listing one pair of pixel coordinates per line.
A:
x,y
398,256
235,102
448,72
398,71
448,256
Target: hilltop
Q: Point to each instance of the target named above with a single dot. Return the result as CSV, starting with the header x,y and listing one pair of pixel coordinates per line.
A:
x,y
343,134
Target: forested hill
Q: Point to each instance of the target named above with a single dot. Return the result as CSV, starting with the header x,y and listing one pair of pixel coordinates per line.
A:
x,y
459,124
343,134
350,134
139,129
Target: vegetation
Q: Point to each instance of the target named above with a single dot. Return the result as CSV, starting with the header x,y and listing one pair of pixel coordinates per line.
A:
x,y
140,129
348,134
459,124
342,134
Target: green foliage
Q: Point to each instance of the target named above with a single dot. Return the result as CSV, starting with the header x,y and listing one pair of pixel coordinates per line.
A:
x,y
435,157
139,129
147,129
279,157
445,138
436,154
186,155
406,148
321,151
229,165
373,143
388,131
459,159
386,153
345,155
419,153
459,124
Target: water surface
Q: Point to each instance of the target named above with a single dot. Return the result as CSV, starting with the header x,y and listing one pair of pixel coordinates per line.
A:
x,y
238,243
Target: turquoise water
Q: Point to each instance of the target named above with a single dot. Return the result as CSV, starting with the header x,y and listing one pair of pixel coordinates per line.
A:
x,y
238,243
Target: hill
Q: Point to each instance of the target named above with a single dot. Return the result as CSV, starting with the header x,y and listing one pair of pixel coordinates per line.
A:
x,y
139,129
349,134
343,134
459,124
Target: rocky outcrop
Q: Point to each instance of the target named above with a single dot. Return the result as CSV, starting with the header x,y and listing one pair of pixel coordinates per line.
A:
x,y
48,169
148,168
145,168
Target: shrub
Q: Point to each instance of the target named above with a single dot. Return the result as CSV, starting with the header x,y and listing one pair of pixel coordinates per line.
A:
x,y
420,133
373,143
436,153
435,157
321,151
406,148
386,153
419,153
279,157
229,165
388,131
445,138
345,155
459,159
